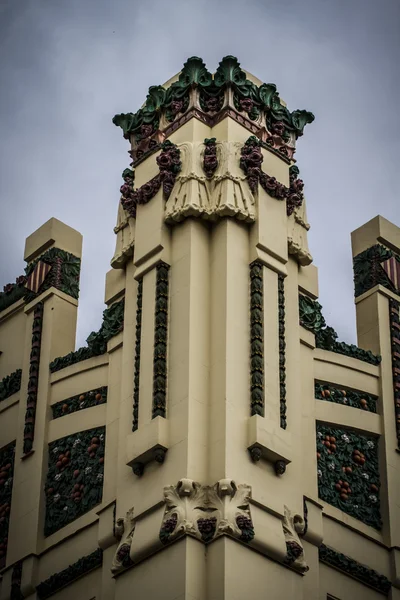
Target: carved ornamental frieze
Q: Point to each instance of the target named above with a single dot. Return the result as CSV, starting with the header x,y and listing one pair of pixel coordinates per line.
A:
x,y
207,512
209,98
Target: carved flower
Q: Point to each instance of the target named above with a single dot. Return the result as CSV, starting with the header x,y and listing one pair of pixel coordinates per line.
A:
x,y
345,438
100,476
297,185
331,466
210,163
58,476
88,470
146,130
65,508
56,497
101,437
370,444
55,450
365,475
246,104
373,498
319,473
320,434
164,161
278,128
176,106
82,405
76,442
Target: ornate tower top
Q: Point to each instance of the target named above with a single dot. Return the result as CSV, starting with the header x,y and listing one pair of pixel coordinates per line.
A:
x,y
201,139
195,92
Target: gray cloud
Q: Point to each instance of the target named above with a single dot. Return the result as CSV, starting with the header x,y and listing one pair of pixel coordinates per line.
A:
x,y
67,68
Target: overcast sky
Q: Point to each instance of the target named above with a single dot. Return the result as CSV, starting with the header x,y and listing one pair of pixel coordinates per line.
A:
x,y
67,66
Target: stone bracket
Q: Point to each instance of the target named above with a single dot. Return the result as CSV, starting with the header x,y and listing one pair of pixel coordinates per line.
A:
x,y
148,443
313,531
270,442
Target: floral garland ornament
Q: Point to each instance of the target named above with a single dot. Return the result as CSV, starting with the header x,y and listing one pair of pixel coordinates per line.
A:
x,y
210,160
311,318
169,164
250,161
33,383
352,398
295,195
7,460
394,318
124,530
11,384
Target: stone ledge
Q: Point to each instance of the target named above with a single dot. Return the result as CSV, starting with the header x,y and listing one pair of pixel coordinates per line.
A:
x,y
148,443
52,291
84,365
354,418
269,441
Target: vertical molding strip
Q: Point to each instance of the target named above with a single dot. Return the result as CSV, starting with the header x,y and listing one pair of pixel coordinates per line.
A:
x,y
256,339
33,384
282,350
160,342
136,377
394,319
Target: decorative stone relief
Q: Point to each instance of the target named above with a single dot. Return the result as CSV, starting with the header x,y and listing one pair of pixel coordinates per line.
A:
x,y
211,97
282,351
113,323
352,568
207,512
12,292
60,580
210,160
298,228
7,459
376,265
250,161
394,310
256,339
169,164
138,336
236,518
160,342
33,383
74,483
16,579
79,402
207,192
190,196
11,384
293,524
310,316
348,473
331,393
63,274
124,530
125,228
184,505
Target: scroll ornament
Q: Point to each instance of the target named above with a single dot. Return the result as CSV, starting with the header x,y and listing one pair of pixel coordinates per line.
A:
x,y
124,530
293,524
207,512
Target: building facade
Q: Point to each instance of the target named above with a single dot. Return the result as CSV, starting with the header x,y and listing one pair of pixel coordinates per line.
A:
x,y
213,440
